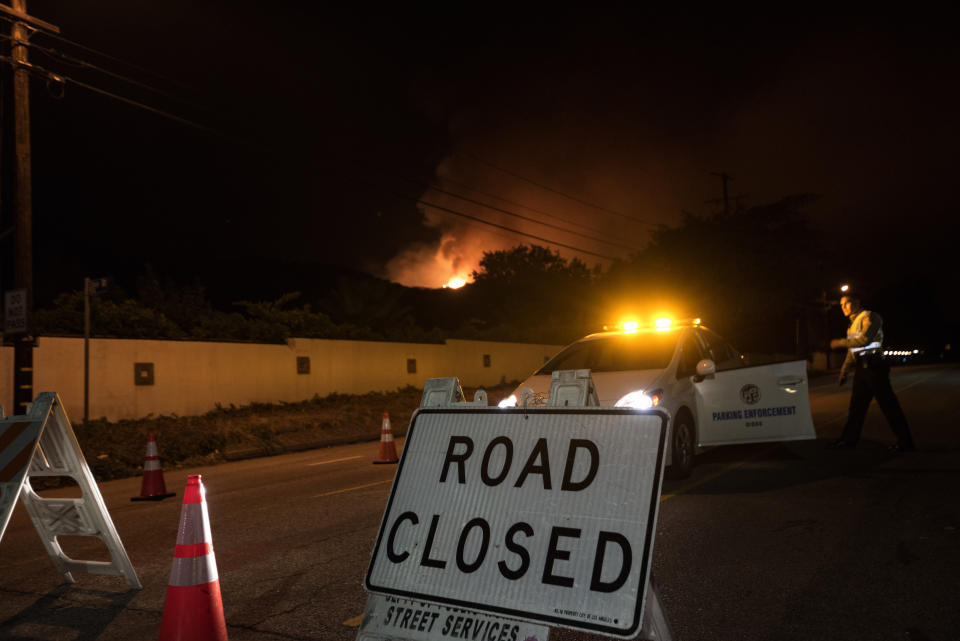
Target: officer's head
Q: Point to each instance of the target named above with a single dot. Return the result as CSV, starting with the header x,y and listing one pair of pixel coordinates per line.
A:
x,y
850,304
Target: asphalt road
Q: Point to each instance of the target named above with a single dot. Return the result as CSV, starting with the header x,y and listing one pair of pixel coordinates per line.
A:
x,y
786,541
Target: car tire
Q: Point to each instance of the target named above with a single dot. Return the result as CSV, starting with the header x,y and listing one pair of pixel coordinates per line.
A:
x,y
682,447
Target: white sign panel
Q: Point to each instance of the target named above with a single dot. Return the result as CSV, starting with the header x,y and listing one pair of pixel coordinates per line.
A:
x,y
15,311
544,515
391,618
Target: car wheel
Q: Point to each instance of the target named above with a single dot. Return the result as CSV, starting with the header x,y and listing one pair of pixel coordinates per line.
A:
x,y
681,463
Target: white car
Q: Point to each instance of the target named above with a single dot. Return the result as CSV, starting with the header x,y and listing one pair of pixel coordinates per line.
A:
x,y
713,396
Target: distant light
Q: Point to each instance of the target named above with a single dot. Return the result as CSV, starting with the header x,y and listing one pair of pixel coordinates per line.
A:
x,y
916,351
455,283
844,288
696,321
663,323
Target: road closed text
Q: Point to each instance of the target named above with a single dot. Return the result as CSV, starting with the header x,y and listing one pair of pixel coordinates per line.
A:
x,y
510,546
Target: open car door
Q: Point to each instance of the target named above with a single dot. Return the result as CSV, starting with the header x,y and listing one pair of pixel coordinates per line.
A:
x,y
754,404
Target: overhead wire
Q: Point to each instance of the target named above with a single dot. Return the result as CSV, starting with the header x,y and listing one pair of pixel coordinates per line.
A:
x,y
431,187
76,62
461,214
555,191
56,36
57,77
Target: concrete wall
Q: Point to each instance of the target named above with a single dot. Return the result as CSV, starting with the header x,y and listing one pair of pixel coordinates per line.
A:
x,y
192,377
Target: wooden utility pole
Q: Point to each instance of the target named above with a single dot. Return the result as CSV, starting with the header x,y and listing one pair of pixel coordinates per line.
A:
x,y
22,211
22,196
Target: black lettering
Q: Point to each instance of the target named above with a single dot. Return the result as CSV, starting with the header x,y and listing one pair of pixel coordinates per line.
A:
x,y
415,621
425,560
456,627
465,567
554,554
517,549
596,584
575,486
539,452
514,630
391,554
466,628
386,619
447,623
492,631
406,618
478,629
433,619
508,459
459,459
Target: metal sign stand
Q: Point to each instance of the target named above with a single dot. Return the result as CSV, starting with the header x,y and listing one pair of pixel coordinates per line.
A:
x,y
42,443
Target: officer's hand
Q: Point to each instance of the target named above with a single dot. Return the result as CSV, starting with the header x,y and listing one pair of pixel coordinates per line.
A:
x,y
836,343
841,380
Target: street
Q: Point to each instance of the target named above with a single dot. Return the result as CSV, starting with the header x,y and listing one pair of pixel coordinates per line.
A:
x,y
767,541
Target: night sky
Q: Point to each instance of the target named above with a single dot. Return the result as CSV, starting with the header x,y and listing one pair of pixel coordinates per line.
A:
x,y
320,129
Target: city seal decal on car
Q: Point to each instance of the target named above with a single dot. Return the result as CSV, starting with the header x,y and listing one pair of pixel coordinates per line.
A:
x,y
750,394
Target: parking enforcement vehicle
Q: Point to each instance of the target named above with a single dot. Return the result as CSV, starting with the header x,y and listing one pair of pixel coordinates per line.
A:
x,y
712,393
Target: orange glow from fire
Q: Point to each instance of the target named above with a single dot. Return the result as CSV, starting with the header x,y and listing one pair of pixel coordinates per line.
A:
x,y
456,283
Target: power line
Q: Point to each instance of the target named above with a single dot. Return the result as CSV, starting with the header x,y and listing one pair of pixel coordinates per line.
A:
x,y
510,202
76,62
36,69
432,187
107,56
480,220
555,191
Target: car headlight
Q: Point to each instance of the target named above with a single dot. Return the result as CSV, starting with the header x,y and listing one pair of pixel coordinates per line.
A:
x,y
510,401
640,400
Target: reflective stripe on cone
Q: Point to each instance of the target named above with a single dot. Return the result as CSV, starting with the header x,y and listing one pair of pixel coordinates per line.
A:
x,y
153,487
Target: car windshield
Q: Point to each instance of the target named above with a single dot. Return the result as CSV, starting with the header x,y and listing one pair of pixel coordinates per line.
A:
x,y
648,350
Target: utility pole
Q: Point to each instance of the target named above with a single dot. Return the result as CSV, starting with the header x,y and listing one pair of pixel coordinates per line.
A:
x,y
22,197
725,177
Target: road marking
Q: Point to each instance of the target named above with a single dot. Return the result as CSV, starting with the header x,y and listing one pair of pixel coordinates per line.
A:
x,y
354,622
336,460
707,479
350,489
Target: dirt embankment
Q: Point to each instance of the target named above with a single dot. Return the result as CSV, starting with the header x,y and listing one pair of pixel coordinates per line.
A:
x,y
117,450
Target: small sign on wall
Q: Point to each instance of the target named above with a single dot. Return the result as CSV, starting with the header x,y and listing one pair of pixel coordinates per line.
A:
x,y
143,373
303,364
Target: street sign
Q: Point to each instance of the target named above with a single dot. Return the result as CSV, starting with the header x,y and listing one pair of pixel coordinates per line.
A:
x,y
543,515
15,311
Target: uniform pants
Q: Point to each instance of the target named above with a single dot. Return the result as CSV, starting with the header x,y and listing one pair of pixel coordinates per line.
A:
x,y
871,380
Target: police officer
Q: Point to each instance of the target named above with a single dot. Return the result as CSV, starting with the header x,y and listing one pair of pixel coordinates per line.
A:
x,y
871,376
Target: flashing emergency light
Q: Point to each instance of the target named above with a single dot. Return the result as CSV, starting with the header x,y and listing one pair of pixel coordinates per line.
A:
x,y
662,324
631,326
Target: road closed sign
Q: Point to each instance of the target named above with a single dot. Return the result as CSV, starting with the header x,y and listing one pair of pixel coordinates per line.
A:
x,y
543,515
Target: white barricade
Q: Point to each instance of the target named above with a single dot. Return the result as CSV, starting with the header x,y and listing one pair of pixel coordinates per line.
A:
x,y
42,443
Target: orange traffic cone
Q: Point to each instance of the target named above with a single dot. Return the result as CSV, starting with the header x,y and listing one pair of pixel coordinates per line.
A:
x,y
193,610
153,488
388,450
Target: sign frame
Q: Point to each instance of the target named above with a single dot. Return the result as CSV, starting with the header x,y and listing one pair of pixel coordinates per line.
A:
x,y
634,626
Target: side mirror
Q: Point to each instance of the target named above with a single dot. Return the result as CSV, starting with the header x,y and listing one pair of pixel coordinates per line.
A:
x,y
706,368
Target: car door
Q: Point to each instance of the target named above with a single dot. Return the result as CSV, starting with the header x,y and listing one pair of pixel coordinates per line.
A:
x,y
754,404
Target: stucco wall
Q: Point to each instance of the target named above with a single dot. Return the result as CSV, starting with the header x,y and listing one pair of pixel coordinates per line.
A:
x,y
192,377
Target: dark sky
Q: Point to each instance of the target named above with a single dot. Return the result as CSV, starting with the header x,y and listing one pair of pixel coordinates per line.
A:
x,y
324,126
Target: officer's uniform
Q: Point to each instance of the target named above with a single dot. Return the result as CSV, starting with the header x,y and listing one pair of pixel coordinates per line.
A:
x,y
871,379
